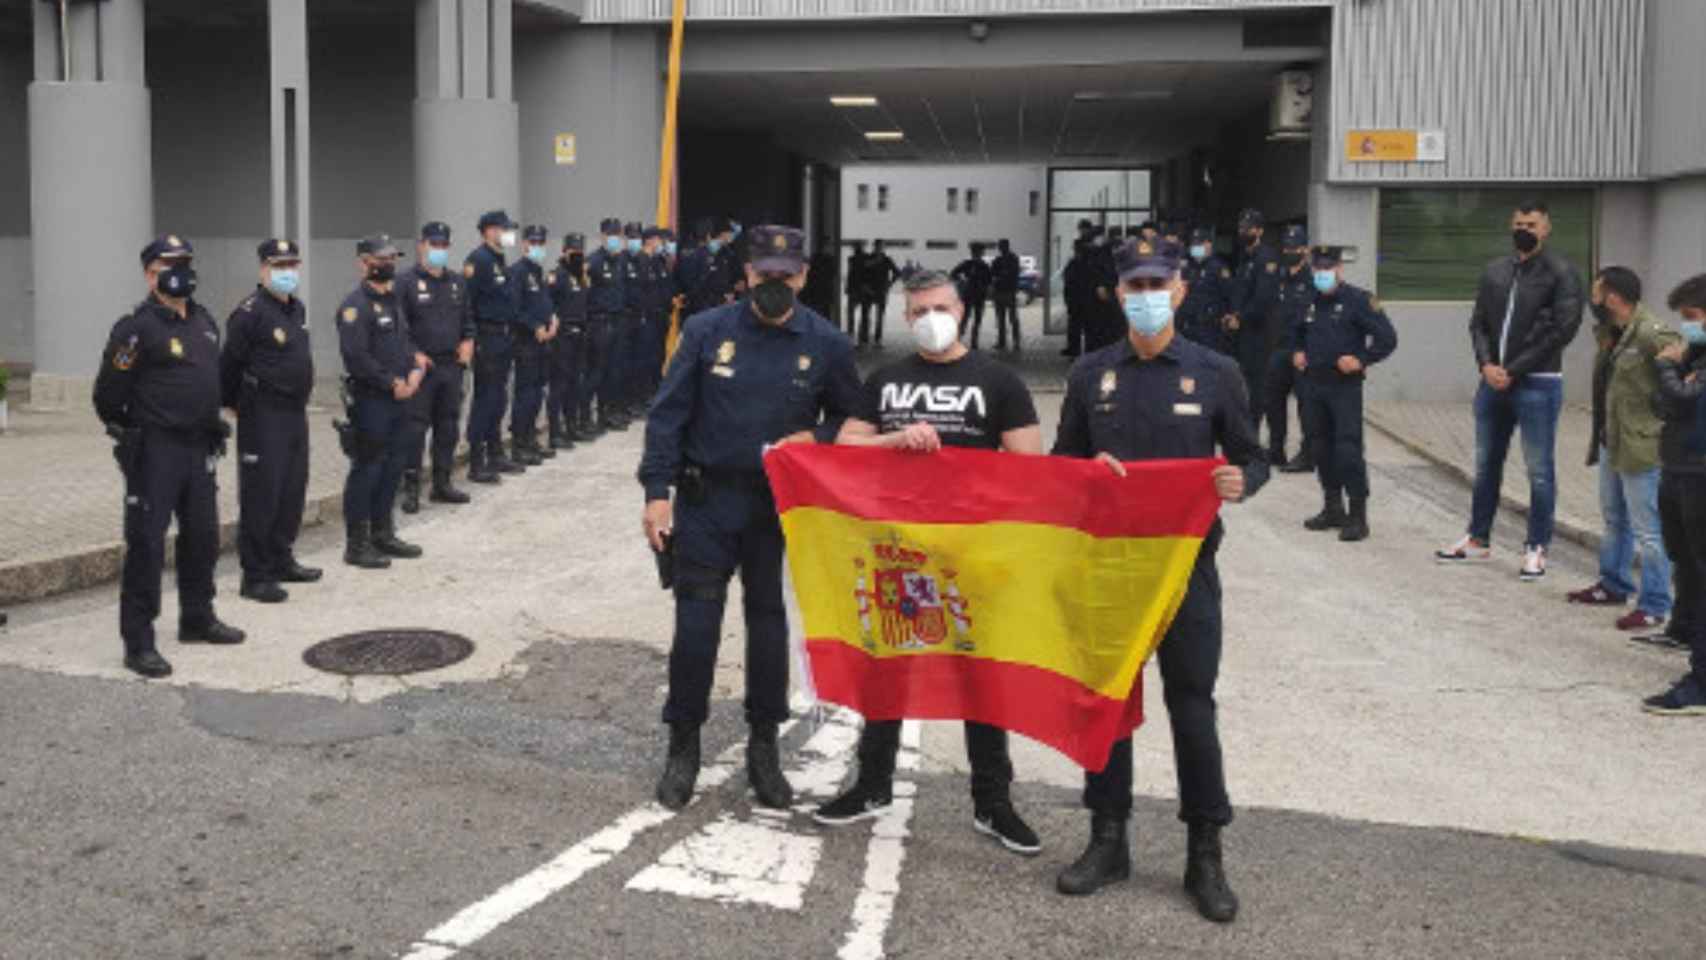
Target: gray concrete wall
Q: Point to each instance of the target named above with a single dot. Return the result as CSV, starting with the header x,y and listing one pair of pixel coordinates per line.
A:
x,y
1678,231
604,85
918,209
16,64
1674,124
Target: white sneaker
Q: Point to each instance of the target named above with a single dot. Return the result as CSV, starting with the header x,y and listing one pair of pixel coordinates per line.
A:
x,y
1533,563
1464,551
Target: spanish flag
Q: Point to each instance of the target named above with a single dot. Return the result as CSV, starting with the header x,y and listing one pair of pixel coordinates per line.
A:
x,y
1024,592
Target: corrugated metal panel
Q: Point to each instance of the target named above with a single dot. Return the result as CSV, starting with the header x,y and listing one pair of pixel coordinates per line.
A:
x,y
649,11
1675,118
1524,89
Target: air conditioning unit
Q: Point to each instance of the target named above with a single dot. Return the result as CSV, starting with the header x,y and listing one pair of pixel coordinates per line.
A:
x,y
1293,106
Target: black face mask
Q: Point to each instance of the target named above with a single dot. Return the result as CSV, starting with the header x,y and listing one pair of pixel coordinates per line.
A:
x,y
574,262
1600,312
1291,261
1525,241
773,298
177,281
382,272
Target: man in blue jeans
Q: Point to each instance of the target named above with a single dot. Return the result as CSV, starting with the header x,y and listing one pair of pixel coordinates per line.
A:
x,y
1527,311
1626,448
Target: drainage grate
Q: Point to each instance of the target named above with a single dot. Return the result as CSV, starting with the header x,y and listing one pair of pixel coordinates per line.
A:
x,y
388,652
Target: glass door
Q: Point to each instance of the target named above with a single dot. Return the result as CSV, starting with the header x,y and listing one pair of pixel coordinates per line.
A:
x,y
1108,197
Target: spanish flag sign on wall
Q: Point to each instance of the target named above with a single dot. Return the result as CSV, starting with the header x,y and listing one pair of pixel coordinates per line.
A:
x,y
1023,592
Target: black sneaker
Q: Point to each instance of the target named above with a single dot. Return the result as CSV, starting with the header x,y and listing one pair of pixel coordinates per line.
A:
x,y
1002,824
859,803
1686,699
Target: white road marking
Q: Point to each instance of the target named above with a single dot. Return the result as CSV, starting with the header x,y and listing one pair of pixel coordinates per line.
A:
x,y
512,900
873,909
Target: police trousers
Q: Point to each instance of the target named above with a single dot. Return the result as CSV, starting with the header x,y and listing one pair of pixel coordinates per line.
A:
x,y
436,406
172,474
1333,410
492,359
380,422
651,367
598,337
568,359
1190,664
530,373
272,481
614,390
973,322
986,748
733,527
1283,381
1252,355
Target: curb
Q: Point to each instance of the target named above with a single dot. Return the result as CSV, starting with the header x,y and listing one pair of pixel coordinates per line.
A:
x,y
1563,527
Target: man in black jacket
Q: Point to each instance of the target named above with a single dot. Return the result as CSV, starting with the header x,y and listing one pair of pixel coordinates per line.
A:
x,y
1527,311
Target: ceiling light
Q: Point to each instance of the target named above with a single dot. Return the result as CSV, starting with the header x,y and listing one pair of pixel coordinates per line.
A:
x,y
884,135
1099,96
853,101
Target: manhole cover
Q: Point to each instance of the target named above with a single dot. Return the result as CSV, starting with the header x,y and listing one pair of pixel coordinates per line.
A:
x,y
388,652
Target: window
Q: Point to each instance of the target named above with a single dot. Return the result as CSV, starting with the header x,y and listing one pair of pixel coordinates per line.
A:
x,y
1035,203
1434,244
942,244
864,196
953,199
882,196
971,200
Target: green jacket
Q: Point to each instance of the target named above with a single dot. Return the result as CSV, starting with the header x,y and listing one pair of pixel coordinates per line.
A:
x,y
1632,422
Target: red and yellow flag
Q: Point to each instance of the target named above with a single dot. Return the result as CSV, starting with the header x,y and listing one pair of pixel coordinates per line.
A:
x,y
1023,592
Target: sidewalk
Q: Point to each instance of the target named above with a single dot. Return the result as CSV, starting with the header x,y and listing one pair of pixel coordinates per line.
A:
x,y
1444,434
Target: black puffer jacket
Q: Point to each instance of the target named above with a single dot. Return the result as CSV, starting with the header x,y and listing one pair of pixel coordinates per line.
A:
x,y
1679,403
1545,318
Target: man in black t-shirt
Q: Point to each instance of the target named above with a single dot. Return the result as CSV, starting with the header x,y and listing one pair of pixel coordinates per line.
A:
x,y
943,395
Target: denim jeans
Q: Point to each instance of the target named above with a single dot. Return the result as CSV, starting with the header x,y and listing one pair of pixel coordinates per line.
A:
x,y
1532,404
1629,502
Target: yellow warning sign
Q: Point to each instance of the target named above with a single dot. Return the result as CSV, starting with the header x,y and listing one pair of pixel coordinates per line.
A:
x,y
565,149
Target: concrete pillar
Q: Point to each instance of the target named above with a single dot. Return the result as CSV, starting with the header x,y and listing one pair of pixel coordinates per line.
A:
x,y
808,207
91,188
287,35
467,124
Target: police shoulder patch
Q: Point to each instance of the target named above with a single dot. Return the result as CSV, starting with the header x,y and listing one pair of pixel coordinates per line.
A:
x,y
468,270
1374,304
124,358
349,314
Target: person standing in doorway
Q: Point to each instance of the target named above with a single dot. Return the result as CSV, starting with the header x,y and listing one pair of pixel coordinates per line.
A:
x,y
1004,289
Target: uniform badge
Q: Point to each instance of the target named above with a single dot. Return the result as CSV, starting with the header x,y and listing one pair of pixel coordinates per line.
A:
x,y
805,363
420,285
1187,385
1110,382
468,270
1273,267
278,334
173,240
177,348
124,358
349,314
780,242
726,352
1225,274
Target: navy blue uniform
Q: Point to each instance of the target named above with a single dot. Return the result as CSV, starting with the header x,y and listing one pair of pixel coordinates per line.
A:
x,y
1296,296
160,379
266,375
377,350
630,330
436,310
973,278
492,307
1206,302
1255,290
606,302
658,292
532,288
571,393
1184,403
734,385
1346,322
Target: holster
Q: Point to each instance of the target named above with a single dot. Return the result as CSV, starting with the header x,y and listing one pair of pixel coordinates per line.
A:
x,y
666,563
127,451
691,485
346,426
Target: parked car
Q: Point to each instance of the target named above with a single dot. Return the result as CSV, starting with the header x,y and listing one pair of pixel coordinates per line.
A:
x,y
1030,280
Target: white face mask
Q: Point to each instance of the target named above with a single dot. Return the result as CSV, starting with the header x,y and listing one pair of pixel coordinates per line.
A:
x,y
936,331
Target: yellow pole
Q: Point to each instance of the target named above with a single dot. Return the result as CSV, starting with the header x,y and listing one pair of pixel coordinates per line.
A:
x,y
666,165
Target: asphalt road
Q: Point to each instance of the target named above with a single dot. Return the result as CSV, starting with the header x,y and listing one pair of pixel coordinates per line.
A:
x,y
1427,762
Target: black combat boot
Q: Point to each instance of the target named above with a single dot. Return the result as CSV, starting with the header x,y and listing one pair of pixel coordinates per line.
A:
x,y
386,542
148,663
480,466
584,430
1331,517
443,491
358,548
499,462
680,768
764,768
544,451
1106,860
561,438
1205,878
411,491
1356,525
522,452
209,629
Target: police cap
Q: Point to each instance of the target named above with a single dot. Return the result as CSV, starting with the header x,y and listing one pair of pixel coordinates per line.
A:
x,y
1296,235
1147,258
1202,234
279,251
1326,256
610,226
167,246
436,231
633,229
1250,217
653,233
535,232
496,218
778,249
377,245
574,241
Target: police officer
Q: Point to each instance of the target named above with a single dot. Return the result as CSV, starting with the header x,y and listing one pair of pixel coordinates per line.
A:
x,y
717,285
1004,288
880,275
434,304
1078,292
1156,395
973,277
383,370
657,289
1343,334
532,330
570,407
606,301
762,370
1255,289
631,329
158,393
858,299
266,375
1296,296
492,305
1209,280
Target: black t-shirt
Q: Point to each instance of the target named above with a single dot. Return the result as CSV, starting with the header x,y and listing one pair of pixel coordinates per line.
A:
x,y
971,402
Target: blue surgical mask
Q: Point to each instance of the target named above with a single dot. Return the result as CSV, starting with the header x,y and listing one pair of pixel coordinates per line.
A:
x,y
1694,331
1199,251
669,247
536,253
284,282
1326,280
438,257
1149,312
634,244
714,245
735,227
613,244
